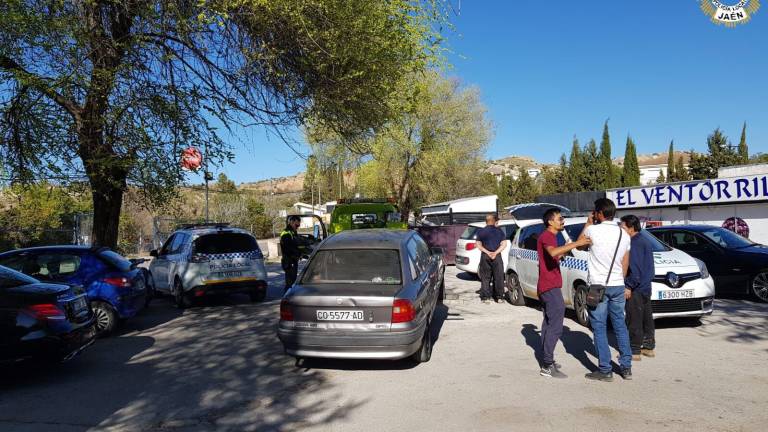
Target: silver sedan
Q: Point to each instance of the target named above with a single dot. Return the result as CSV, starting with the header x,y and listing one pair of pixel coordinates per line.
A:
x,y
365,294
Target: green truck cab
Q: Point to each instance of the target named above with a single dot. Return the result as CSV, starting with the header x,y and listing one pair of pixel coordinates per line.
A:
x,y
365,213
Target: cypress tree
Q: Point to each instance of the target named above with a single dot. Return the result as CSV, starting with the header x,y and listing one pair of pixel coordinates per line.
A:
x,y
563,174
743,149
671,176
631,172
592,167
607,175
576,168
660,178
680,171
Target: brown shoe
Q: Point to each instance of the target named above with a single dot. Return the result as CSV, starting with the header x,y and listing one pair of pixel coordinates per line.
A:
x,y
636,357
648,352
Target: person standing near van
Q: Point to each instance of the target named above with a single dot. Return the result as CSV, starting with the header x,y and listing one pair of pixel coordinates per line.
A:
x,y
549,288
638,291
290,249
607,265
491,241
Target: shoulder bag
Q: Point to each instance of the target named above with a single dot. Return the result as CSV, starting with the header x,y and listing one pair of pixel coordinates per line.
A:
x,y
596,292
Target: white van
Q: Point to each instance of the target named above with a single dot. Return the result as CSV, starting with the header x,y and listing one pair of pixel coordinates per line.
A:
x,y
682,286
467,253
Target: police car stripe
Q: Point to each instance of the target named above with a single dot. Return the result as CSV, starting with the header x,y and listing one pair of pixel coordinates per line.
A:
x,y
249,255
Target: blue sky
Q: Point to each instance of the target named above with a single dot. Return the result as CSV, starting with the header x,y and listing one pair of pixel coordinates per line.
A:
x,y
658,69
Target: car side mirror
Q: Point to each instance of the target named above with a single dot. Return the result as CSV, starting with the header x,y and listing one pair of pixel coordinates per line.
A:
x,y
153,253
436,250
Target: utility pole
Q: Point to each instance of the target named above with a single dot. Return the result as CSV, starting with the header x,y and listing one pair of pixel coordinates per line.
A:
x,y
207,177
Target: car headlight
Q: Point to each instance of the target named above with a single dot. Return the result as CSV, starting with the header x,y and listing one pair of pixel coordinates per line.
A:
x,y
702,268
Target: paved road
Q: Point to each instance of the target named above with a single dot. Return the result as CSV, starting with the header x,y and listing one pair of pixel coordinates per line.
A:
x,y
220,368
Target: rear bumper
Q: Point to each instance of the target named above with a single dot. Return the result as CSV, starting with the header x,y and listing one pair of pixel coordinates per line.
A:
x,y
228,287
54,347
468,263
359,345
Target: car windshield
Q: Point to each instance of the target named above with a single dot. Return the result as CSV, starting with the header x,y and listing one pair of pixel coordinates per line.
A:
x,y
11,279
656,245
470,233
225,242
371,266
727,239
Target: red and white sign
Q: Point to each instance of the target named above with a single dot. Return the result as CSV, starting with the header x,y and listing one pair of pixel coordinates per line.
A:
x,y
191,159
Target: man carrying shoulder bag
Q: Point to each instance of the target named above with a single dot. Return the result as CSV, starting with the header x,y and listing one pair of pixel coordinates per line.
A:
x,y
607,264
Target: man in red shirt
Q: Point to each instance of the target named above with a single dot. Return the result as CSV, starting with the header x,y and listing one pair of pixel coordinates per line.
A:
x,y
549,288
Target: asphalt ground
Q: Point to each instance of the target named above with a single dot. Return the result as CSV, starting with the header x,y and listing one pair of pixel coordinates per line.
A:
x,y
220,367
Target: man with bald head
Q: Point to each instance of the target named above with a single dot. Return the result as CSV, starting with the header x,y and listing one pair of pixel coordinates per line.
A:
x,y
491,241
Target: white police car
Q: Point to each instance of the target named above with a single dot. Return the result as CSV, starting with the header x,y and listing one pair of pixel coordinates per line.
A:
x,y
467,253
682,286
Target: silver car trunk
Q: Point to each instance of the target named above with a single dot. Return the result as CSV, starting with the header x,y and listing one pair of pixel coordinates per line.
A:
x,y
338,306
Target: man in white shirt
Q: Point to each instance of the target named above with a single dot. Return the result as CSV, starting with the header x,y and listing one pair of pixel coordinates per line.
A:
x,y
608,240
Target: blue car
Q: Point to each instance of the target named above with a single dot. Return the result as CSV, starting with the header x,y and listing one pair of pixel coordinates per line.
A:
x,y
116,288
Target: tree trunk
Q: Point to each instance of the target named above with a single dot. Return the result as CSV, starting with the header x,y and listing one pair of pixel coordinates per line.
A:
x,y
107,203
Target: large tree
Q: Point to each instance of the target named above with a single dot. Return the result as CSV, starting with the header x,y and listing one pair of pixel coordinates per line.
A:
x,y
671,175
112,90
608,175
433,151
592,168
576,169
743,149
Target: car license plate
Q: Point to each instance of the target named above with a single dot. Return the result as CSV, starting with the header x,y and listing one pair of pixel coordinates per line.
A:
x,y
78,305
336,315
226,275
675,294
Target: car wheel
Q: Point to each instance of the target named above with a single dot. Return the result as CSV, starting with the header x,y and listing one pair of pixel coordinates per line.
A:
x,y
514,290
181,299
258,296
151,293
580,305
760,286
424,352
106,318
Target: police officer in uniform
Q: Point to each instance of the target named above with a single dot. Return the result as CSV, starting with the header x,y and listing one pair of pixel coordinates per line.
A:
x,y
290,246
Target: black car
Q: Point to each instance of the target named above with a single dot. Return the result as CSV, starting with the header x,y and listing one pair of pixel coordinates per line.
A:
x,y
50,322
738,265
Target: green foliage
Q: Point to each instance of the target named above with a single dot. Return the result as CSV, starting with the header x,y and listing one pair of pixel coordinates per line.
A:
x,y
631,169
592,168
759,158
225,185
609,175
698,166
577,171
681,172
39,213
720,154
661,178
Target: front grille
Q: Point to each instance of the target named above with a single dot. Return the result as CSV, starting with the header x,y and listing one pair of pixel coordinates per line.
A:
x,y
678,305
684,278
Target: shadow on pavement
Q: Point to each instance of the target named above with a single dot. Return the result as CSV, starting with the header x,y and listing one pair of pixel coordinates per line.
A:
x,y
467,276
737,321
218,366
576,343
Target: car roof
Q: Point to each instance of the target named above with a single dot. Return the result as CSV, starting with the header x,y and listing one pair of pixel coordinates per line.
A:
x,y
688,227
367,239
501,222
213,230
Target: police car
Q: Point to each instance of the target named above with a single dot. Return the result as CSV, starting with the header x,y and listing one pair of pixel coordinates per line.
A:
x,y
208,259
682,286
467,253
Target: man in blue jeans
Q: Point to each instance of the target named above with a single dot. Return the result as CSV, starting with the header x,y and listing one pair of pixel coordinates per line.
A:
x,y
607,264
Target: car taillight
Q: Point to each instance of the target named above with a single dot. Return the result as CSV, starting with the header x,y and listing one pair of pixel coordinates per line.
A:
x,y
286,311
46,311
119,282
469,246
199,258
402,311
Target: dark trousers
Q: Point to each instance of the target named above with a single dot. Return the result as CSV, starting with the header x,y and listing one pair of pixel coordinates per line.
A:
x,y
640,323
491,270
553,307
291,268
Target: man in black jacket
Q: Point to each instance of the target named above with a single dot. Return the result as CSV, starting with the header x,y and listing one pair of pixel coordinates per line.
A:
x,y
638,291
291,250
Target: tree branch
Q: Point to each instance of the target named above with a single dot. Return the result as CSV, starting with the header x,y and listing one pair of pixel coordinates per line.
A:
x,y
38,83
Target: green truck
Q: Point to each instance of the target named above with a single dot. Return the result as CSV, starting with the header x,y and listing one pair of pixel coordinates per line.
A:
x,y
362,213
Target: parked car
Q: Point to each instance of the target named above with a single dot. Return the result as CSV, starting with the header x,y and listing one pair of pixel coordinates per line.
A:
x,y
738,265
467,253
51,322
682,286
116,289
364,294
208,259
